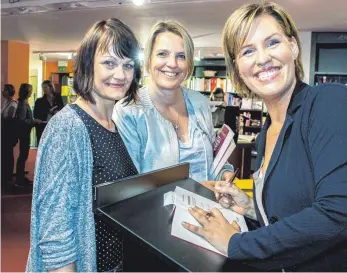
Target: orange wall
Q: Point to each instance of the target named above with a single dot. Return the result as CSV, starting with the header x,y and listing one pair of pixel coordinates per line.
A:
x,y
4,62
16,71
69,66
49,67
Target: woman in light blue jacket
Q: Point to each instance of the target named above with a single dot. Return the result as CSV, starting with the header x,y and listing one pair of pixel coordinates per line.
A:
x,y
169,124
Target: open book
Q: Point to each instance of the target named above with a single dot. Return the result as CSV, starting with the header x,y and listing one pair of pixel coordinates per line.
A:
x,y
184,199
224,145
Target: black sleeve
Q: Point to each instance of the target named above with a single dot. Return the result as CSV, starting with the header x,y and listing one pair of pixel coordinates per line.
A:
x,y
37,109
58,101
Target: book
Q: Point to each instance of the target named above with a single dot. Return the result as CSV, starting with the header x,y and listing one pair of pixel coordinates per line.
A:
x,y
224,158
246,138
183,199
224,145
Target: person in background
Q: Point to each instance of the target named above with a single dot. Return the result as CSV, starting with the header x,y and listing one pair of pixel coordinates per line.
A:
x,y
58,99
218,110
217,94
80,148
8,137
24,122
169,124
300,186
45,107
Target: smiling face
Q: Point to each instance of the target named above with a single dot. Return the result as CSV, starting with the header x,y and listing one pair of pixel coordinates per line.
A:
x,y
266,59
168,66
112,75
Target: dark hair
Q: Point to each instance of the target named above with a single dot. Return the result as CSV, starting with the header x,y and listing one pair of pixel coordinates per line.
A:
x,y
10,89
24,91
99,37
49,83
218,90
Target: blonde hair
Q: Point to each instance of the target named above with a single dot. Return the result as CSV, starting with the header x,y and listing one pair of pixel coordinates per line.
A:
x,y
237,28
175,28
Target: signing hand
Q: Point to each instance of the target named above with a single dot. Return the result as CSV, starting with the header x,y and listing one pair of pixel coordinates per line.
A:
x,y
236,199
215,228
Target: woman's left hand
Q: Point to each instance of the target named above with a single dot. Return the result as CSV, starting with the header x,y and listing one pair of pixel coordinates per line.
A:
x,y
215,228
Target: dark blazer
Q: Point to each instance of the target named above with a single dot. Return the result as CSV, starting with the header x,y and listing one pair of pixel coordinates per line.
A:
x,y
41,110
305,187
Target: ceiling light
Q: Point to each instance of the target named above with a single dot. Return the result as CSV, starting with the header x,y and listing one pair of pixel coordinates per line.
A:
x,y
141,56
139,2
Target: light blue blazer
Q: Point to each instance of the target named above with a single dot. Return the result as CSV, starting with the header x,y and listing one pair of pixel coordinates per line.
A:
x,y
152,141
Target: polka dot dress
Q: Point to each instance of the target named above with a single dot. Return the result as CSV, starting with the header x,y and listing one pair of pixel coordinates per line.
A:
x,y
111,162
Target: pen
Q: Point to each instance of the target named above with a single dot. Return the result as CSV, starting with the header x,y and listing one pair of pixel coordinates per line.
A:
x,y
229,182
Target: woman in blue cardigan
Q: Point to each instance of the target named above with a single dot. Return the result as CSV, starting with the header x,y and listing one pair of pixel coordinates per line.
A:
x,y
300,188
81,147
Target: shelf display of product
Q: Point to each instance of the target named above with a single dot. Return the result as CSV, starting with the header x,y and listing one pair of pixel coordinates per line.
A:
x,y
329,62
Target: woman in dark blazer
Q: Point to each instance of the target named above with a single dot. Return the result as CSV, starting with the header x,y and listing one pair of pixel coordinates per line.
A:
x,y
300,188
45,107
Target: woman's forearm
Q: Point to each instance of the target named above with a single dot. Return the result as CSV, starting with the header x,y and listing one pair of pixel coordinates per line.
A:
x,y
250,213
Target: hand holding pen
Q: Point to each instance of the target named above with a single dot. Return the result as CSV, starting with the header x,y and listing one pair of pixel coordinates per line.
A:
x,y
231,196
228,183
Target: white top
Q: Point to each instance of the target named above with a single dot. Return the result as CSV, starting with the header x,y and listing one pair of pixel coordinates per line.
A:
x,y
259,186
7,106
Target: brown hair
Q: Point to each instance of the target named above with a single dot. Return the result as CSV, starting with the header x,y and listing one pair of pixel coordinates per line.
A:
x,y
24,91
99,37
237,28
10,89
175,28
49,84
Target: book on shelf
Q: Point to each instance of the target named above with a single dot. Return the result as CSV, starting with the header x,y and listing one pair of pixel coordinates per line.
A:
x,y
210,84
246,138
224,145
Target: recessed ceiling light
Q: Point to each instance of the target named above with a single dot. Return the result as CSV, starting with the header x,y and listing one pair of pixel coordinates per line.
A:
x,y
139,2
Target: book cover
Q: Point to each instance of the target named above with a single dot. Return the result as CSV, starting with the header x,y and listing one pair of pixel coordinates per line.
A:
x,y
224,158
221,145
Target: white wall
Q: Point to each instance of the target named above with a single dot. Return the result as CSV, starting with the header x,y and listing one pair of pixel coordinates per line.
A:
x,y
305,38
35,69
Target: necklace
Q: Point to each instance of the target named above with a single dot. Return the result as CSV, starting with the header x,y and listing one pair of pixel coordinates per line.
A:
x,y
176,125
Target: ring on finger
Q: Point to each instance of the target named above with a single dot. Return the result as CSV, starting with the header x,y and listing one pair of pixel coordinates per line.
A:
x,y
208,215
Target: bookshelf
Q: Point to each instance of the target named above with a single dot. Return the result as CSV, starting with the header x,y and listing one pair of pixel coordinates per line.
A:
x,y
206,83
329,57
250,119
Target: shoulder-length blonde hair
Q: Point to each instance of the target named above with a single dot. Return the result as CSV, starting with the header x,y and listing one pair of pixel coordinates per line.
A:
x,y
237,28
175,28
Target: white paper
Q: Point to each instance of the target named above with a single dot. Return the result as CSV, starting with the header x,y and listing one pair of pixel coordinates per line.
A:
x,y
184,199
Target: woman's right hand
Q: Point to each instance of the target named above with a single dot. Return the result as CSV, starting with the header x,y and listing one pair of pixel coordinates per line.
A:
x,y
231,196
37,121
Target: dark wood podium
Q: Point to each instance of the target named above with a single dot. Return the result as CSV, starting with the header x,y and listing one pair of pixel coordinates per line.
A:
x,y
145,224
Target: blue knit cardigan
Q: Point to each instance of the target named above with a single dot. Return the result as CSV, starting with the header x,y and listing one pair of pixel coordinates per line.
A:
x,y
62,221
